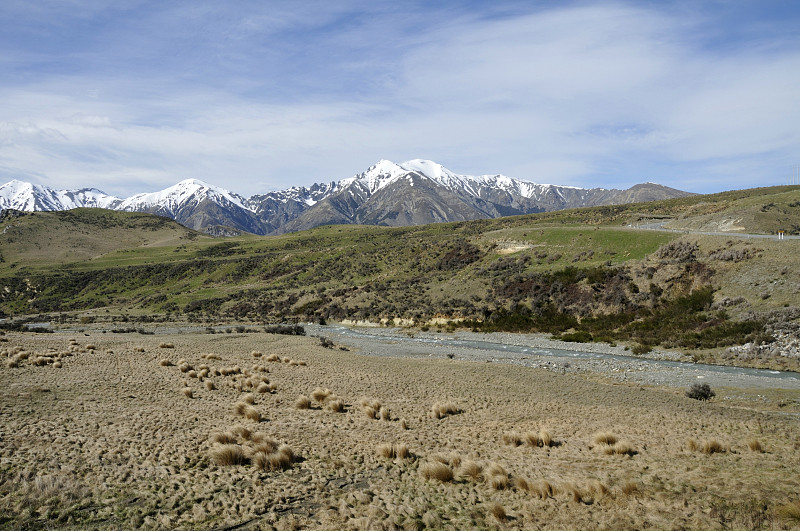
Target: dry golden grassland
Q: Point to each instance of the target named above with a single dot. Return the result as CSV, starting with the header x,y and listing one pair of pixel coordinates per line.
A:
x,y
197,432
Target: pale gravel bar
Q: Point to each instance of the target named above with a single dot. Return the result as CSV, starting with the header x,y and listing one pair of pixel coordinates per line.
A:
x,y
663,368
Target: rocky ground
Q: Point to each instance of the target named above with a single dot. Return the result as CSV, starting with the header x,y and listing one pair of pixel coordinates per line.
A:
x,y
658,367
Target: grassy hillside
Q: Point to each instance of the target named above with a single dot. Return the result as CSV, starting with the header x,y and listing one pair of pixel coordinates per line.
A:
x,y
582,275
39,240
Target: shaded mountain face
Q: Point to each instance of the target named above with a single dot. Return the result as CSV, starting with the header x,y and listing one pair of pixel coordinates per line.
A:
x,y
413,193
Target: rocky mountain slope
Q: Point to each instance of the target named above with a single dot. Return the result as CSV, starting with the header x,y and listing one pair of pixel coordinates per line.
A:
x,y
412,193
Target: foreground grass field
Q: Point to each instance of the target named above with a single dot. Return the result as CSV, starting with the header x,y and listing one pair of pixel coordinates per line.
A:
x,y
259,431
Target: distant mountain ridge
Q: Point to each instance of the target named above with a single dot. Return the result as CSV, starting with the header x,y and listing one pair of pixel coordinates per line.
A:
x,y
412,193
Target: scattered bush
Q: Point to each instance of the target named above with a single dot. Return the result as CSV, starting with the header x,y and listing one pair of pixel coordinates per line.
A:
x,y
700,391
162,345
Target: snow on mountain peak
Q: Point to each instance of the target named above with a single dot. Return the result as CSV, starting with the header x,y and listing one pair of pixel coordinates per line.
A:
x,y
178,195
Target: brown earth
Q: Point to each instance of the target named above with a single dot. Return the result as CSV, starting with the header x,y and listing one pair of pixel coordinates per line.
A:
x,y
118,438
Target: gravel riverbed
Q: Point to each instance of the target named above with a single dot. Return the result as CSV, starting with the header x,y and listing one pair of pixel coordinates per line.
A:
x,y
663,368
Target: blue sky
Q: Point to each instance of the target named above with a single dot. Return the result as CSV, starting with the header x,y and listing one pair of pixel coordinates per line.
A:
x,y
134,96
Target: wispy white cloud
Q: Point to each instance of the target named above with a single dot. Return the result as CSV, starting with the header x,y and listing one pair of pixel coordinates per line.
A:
x,y
132,97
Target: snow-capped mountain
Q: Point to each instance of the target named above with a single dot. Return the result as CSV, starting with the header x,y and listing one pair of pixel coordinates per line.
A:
x,y
20,195
414,192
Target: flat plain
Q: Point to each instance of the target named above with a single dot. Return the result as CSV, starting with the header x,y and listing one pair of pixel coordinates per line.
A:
x,y
263,431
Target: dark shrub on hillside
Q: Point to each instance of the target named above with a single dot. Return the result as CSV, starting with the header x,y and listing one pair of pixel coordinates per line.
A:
x,y
700,392
285,329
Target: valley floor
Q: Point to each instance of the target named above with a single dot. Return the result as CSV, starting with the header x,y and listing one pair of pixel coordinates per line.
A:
x,y
128,430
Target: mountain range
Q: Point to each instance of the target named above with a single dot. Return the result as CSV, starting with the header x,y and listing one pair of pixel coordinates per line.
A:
x,y
412,193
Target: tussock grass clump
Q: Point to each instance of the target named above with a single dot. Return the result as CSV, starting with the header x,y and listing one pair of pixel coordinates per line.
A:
x,y
604,438
302,402
187,392
279,459
386,450
497,477
262,388
223,437
629,488
210,385
243,409
712,446
789,511
249,398
166,363
512,439
471,469
229,454
543,489
436,470
498,512
320,395
336,405
272,357
442,409
540,439
391,451
755,445
620,448
162,345
256,354
91,347
401,451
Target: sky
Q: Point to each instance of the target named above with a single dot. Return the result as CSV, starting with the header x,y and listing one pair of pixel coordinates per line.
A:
x,y
133,96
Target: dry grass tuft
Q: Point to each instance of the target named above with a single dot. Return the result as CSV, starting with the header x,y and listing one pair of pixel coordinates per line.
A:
x,y
404,424
401,451
442,409
229,454
336,405
224,437
243,409
755,445
187,392
512,438
620,448
384,413
629,488
262,388
545,439
279,459
692,445
436,470
162,345
386,450
498,482
165,363
210,385
712,446
320,395
256,354
249,398
471,469
498,512
543,489
604,438
522,484
302,402
272,357
789,511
